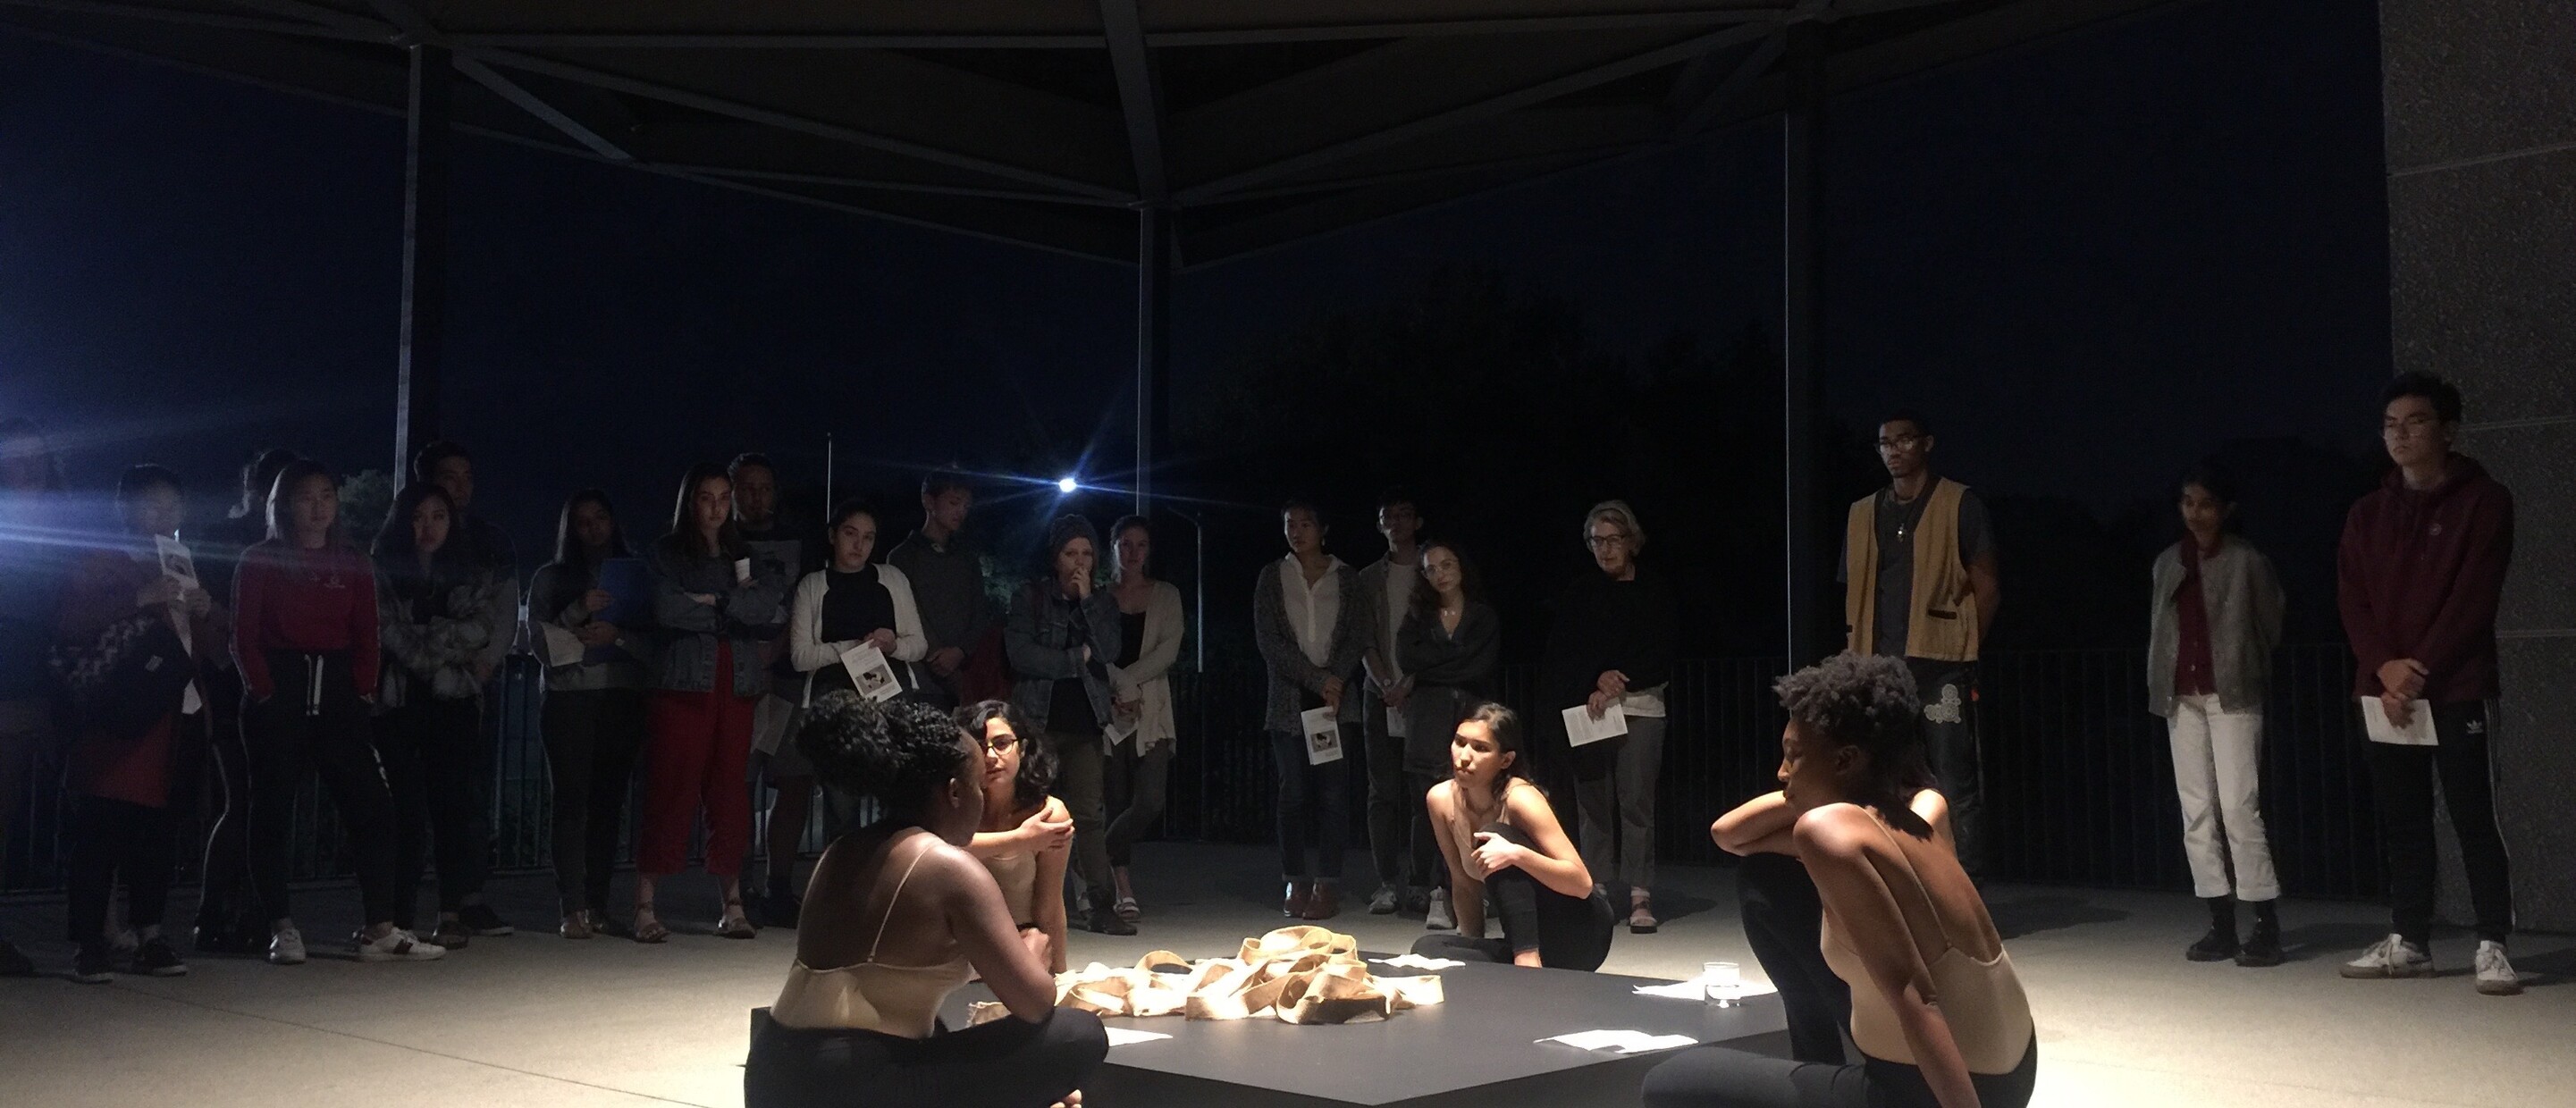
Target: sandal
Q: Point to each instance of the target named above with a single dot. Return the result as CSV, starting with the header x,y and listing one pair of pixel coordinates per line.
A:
x,y
577,925
735,925
1641,918
1127,909
648,927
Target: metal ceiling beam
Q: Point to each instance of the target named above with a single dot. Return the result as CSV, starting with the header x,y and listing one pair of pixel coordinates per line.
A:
x,y
1733,88
531,103
1534,94
1139,97
882,185
1242,36
1537,24
196,18
318,14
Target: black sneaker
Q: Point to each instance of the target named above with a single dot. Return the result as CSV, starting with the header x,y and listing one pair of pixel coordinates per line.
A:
x,y
156,958
2216,946
13,961
483,921
96,962
1106,922
2263,947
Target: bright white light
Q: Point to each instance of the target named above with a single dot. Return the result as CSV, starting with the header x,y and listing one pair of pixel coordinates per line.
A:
x,y
1065,484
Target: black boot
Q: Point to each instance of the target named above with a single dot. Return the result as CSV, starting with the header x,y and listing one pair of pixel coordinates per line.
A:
x,y
2219,944
2263,947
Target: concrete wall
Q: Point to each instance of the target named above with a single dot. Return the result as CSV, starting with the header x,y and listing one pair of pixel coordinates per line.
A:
x,y
2480,97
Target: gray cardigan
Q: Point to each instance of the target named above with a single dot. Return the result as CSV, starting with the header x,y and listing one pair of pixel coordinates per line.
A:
x,y
1293,679
2244,600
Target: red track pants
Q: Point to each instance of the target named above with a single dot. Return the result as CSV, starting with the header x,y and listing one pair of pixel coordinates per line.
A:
x,y
701,750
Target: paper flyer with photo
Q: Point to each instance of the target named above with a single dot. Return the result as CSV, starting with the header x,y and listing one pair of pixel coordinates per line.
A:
x,y
1581,728
869,671
175,561
1323,736
2417,732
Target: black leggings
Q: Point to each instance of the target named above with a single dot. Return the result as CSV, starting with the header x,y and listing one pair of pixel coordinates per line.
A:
x,y
1784,922
593,738
1568,932
225,900
112,839
1137,784
1723,1077
314,722
440,774
1008,1063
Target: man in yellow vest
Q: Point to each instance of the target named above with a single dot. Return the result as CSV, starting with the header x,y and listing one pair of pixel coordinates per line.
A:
x,y
1919,584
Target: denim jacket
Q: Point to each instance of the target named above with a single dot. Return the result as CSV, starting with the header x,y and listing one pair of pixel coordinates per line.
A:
x,y
1044,638
745,612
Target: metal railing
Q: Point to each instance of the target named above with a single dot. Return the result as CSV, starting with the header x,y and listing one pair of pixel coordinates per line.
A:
x,y
2078,775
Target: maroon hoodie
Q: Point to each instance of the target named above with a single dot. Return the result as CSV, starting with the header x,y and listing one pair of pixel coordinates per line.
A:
x,y
2418,575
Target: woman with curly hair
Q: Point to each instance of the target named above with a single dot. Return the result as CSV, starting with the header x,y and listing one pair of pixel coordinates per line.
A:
x,y
1025,833
897,916
1937,1011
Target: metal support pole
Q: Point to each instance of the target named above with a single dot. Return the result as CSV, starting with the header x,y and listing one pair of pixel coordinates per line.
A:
x,y
1802,188
424,282
1153,332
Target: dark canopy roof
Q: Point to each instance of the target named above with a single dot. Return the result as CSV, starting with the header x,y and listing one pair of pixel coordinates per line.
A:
x,y
1045,122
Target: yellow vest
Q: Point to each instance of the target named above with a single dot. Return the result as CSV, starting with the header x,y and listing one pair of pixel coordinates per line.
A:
x,y
1942,625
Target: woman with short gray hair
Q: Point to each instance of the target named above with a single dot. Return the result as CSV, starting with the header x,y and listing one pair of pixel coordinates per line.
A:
x,y
1611,647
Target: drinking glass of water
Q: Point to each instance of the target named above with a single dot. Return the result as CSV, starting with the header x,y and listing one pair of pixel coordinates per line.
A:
x,y
1724,982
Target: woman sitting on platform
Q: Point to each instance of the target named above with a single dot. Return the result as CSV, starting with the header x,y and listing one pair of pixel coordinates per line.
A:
x,y
901,915
1495,828
1936,1008
1025,833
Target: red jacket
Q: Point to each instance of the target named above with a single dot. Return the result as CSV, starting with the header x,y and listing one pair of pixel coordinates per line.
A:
x,y
306,602
2418,575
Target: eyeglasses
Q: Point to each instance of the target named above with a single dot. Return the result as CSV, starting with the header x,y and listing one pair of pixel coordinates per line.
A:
x,y
1603,542
995,744
1899,442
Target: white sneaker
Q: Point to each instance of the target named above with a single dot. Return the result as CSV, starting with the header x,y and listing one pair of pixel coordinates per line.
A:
x,y
286,947
2392,957
2495,974
398,945
1438,917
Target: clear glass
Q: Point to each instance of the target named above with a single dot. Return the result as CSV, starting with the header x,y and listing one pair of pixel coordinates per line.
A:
x,y
1724,982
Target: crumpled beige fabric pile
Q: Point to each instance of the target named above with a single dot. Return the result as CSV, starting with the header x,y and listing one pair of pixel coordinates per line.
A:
x,y
1295,974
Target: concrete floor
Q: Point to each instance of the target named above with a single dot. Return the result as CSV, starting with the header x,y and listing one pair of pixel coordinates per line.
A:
x,y
534,1020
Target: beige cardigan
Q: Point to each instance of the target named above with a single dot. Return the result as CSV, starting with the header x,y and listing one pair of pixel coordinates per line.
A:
x,y
1148,679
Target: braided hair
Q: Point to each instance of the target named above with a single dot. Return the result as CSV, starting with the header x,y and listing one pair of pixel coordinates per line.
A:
x,y
899,752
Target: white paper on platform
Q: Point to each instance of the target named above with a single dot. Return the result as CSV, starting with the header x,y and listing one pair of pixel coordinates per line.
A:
x,y
869,671
1323,735
1621,1040
1128,1036
1418,962
2417,732
1697,989
1581,728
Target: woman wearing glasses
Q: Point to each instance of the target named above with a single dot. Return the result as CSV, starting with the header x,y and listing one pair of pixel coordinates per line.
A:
x,y
1612,648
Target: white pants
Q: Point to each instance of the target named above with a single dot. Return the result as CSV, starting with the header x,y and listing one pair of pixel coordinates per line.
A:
x,y
2216,754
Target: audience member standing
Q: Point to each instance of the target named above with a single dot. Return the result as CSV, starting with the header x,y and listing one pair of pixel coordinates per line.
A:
x,y
140,627
1307,623
436,608
2216,618
2421,567
849,602
1149,641
1394,807
594,710
947,573
1612,646
774,760
31,486
447,465
1062,635
1920,584
713,599
1450,648
305,637
227,919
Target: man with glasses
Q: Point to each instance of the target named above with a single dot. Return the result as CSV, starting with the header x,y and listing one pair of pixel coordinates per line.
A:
x,y
1918,571
2419,572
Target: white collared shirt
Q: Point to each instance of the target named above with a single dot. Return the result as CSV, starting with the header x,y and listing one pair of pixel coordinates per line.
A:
x,y
1312,609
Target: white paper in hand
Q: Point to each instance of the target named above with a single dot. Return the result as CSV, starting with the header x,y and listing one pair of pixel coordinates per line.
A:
x,y
1621,1040
869,671
1119,731
562,648
1581,728
1323,736
2417,732
174,558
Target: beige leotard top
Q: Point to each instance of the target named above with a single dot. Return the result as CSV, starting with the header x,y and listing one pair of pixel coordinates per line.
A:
x,y
1983,1002
1017,874
871,995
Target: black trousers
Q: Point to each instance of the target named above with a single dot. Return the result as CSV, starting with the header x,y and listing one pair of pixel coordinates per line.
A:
x,y
1568,932
113,839
2401,781
315,724
593,739
1008,1063
1723,1077
1320,794
1427,869
440,773
1949,692
225,898
1784,920
1391,803
1136,786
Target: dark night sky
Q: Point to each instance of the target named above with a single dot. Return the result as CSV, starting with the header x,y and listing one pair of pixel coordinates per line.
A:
x,y
2089,260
